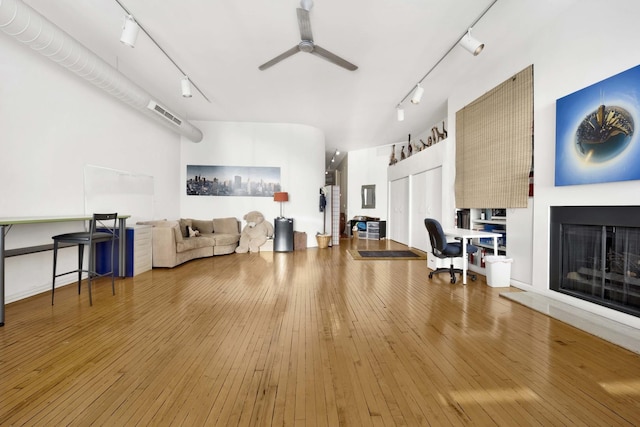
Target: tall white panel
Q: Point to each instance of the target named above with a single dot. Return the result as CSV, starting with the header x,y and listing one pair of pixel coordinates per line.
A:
x,y
425,202
332,213
399,212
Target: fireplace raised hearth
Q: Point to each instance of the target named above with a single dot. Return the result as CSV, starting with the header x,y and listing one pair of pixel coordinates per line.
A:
x,y
595,255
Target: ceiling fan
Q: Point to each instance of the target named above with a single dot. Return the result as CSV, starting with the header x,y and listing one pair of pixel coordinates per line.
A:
x,y
306,43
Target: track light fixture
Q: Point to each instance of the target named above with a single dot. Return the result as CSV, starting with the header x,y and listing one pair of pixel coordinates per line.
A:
x,y
130,30
417,94
466,41
129,34
186,87
471,44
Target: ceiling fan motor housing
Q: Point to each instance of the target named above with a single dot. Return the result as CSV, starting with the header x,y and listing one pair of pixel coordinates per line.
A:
x,y
306,46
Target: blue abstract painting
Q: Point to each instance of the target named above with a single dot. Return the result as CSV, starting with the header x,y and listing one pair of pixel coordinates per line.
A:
x,y
595,132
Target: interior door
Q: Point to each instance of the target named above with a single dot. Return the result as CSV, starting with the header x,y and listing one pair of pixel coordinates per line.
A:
x,y
399,210
426,202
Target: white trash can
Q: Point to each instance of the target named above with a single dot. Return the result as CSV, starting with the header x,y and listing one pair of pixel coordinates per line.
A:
x,y
498,271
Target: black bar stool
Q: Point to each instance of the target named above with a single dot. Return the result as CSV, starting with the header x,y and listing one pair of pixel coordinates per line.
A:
x,y
101,229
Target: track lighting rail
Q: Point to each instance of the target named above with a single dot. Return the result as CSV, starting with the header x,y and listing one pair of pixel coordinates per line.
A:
x,y
162,50
417,85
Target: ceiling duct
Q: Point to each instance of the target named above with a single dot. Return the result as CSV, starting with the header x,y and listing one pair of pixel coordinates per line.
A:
x,y
164,113
29,27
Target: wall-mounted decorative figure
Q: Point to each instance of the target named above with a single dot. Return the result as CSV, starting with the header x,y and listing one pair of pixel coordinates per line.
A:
x,y
402,154
393,160
409,146
437,135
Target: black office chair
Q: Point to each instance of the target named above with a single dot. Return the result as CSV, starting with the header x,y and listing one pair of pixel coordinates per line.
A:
x,y
443,249
101,229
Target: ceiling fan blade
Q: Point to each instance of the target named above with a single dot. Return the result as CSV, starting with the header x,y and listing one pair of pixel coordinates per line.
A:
x,y
323,53
304,24
279,58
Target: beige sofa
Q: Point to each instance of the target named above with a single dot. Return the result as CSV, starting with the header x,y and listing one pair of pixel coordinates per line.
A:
x,y
171,245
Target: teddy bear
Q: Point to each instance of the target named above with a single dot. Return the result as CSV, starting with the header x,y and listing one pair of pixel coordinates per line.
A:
x,y
255,233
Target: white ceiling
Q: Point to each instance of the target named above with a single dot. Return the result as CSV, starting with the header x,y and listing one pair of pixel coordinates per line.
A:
x,y
220,45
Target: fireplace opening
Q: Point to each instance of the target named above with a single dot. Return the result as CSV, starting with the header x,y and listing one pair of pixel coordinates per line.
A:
x,y
595,255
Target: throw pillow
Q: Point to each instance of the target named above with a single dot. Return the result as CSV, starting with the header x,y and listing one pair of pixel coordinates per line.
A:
x,y
184,226
225,225
202,225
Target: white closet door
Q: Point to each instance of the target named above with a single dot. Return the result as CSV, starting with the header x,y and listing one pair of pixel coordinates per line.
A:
x,y
426,202
399,210
418,211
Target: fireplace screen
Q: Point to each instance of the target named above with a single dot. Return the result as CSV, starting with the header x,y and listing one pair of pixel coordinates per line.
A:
x,y
601,264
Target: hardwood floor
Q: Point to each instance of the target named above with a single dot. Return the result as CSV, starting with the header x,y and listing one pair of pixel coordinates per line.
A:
x,y
308,338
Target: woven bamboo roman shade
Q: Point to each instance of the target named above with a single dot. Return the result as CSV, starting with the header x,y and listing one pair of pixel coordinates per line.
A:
x,y
494,138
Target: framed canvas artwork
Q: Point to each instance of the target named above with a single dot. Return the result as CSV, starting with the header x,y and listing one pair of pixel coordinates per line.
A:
x,y
251,181
595,132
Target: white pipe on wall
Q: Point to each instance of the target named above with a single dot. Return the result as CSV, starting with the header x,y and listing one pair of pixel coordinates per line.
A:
x,y
29,27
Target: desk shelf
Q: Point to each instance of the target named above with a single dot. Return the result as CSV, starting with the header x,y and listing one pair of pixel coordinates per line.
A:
x,y
488,219
501,248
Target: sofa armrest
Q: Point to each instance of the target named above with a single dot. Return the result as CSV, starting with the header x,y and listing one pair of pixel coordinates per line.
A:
x,y
164,246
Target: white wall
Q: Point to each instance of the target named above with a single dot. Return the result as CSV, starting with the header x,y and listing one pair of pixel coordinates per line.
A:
x,y
573,57
53,125
568,54
296,149
366,167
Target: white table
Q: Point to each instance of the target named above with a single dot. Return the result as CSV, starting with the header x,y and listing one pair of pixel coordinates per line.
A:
x,y
464,235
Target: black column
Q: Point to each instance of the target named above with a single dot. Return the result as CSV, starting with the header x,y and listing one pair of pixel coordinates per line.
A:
x,y
283,235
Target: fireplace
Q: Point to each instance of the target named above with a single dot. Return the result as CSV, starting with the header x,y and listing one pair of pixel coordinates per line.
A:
x,y
595,255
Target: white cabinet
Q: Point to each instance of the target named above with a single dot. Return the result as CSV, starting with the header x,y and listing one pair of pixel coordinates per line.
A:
x,y
433,262
142,259
138,257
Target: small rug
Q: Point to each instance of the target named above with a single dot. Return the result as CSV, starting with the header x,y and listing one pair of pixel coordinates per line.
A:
x,y
388,255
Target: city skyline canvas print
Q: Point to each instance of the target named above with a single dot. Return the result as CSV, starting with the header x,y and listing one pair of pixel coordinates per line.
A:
x,y
248,181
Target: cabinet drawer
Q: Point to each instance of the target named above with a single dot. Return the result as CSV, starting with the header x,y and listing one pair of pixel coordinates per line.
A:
x,y
143,234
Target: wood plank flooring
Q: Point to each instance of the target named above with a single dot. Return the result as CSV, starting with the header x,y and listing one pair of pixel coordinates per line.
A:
x,y
305,338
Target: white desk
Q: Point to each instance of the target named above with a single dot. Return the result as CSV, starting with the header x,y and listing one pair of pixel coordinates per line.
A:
x,y
464,235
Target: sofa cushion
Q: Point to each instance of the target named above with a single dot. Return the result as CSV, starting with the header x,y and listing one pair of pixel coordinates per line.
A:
x,y
225,226
185,223
194,243
226,239
202,226
179,234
